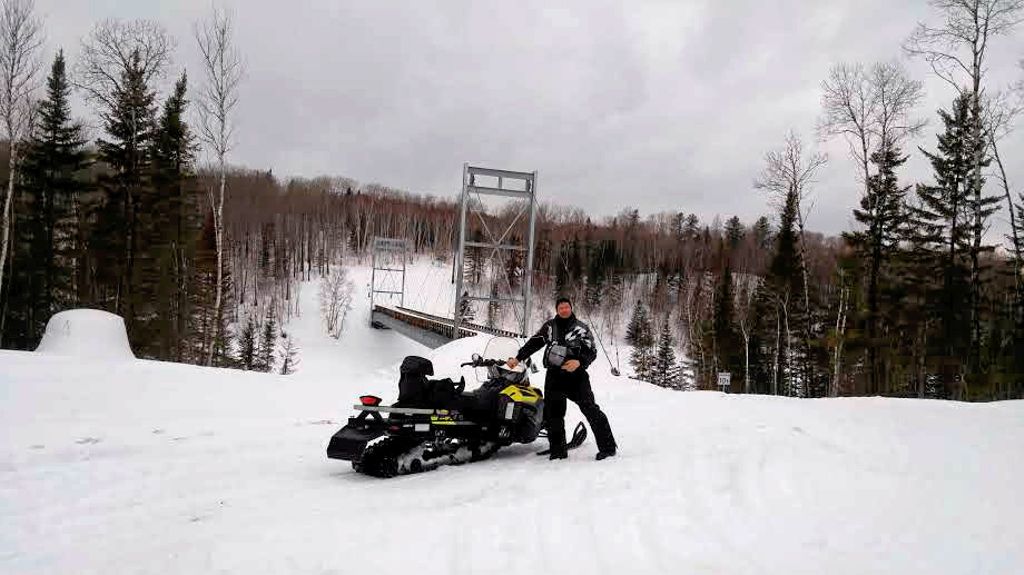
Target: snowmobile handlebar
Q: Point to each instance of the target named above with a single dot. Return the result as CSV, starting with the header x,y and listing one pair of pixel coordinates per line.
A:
x,y
481,362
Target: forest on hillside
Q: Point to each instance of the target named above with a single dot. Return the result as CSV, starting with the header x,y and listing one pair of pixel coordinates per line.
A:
x,y
202,260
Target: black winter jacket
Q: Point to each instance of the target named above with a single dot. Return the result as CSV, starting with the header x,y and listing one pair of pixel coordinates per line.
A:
x,y
573,334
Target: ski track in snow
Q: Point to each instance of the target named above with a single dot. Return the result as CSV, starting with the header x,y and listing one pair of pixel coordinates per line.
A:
x,y
149,467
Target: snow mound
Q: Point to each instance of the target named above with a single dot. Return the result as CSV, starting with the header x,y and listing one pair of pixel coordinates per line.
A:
x,y
86,333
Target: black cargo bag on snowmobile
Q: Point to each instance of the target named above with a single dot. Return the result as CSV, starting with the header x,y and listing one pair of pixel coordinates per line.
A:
x,y
415,390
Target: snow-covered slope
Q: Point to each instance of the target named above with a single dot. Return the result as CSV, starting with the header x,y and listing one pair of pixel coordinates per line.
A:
x,y
148,467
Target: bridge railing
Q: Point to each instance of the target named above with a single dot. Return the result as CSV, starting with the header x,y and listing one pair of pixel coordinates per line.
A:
x,y
440,325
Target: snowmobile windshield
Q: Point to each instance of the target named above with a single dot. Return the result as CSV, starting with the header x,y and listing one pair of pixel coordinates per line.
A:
x,y
501,348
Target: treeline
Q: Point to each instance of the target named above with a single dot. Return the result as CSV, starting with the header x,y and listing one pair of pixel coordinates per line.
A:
x,y
205,262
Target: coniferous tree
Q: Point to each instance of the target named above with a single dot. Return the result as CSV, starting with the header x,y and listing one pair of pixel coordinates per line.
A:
x,y
268,342
942,241
173,227
665,370
1015,351
247,345
783,290
125,150
734,231
763,232
881,213
49,246
640,335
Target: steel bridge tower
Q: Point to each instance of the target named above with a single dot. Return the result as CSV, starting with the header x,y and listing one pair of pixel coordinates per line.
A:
x,y
481,182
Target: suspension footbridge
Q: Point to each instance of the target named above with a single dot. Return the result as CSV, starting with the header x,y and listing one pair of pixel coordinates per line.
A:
x,y
496,242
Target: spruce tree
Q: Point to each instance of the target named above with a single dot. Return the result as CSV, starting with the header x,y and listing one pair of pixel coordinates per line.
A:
x,y
784,291
247,345
640,335
1015,351
665,370
881,214
173,210
49,245
763,232
942,240
734,231
268,342
691,228
129,124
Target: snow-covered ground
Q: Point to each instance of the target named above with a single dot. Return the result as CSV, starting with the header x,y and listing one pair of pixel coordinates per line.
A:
x,y
130,466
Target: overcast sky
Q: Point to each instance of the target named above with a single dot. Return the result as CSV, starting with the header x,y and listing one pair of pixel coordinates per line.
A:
x,y
655,105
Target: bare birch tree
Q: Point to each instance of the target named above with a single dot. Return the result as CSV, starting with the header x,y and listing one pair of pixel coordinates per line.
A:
x,y
957,48
223,70
1001,112
840,334
108,52
20,40
786,171
849,106
336,290
745,292
870,108
896,97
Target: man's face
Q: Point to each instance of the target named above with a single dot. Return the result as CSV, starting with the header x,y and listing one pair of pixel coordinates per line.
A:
x,y
564,310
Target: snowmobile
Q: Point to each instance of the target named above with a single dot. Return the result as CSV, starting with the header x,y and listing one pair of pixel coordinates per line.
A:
x,y
437,422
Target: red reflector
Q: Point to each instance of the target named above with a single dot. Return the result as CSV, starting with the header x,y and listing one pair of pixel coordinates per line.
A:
x,y
369,400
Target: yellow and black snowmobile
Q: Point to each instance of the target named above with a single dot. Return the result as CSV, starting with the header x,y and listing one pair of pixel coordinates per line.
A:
x,y
436,422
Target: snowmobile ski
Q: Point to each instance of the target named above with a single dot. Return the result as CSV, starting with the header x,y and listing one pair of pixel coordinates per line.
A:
x,y
579,435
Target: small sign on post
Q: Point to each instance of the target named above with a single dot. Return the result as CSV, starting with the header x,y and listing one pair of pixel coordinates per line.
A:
x,y
724,378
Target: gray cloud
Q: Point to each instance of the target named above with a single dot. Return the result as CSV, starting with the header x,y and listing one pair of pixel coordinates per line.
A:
x,y
657,105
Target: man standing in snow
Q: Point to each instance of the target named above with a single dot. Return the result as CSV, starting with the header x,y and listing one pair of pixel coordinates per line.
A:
x,y
570,350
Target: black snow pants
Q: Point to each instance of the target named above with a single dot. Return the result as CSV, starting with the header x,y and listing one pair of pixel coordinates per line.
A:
x,y
560,385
